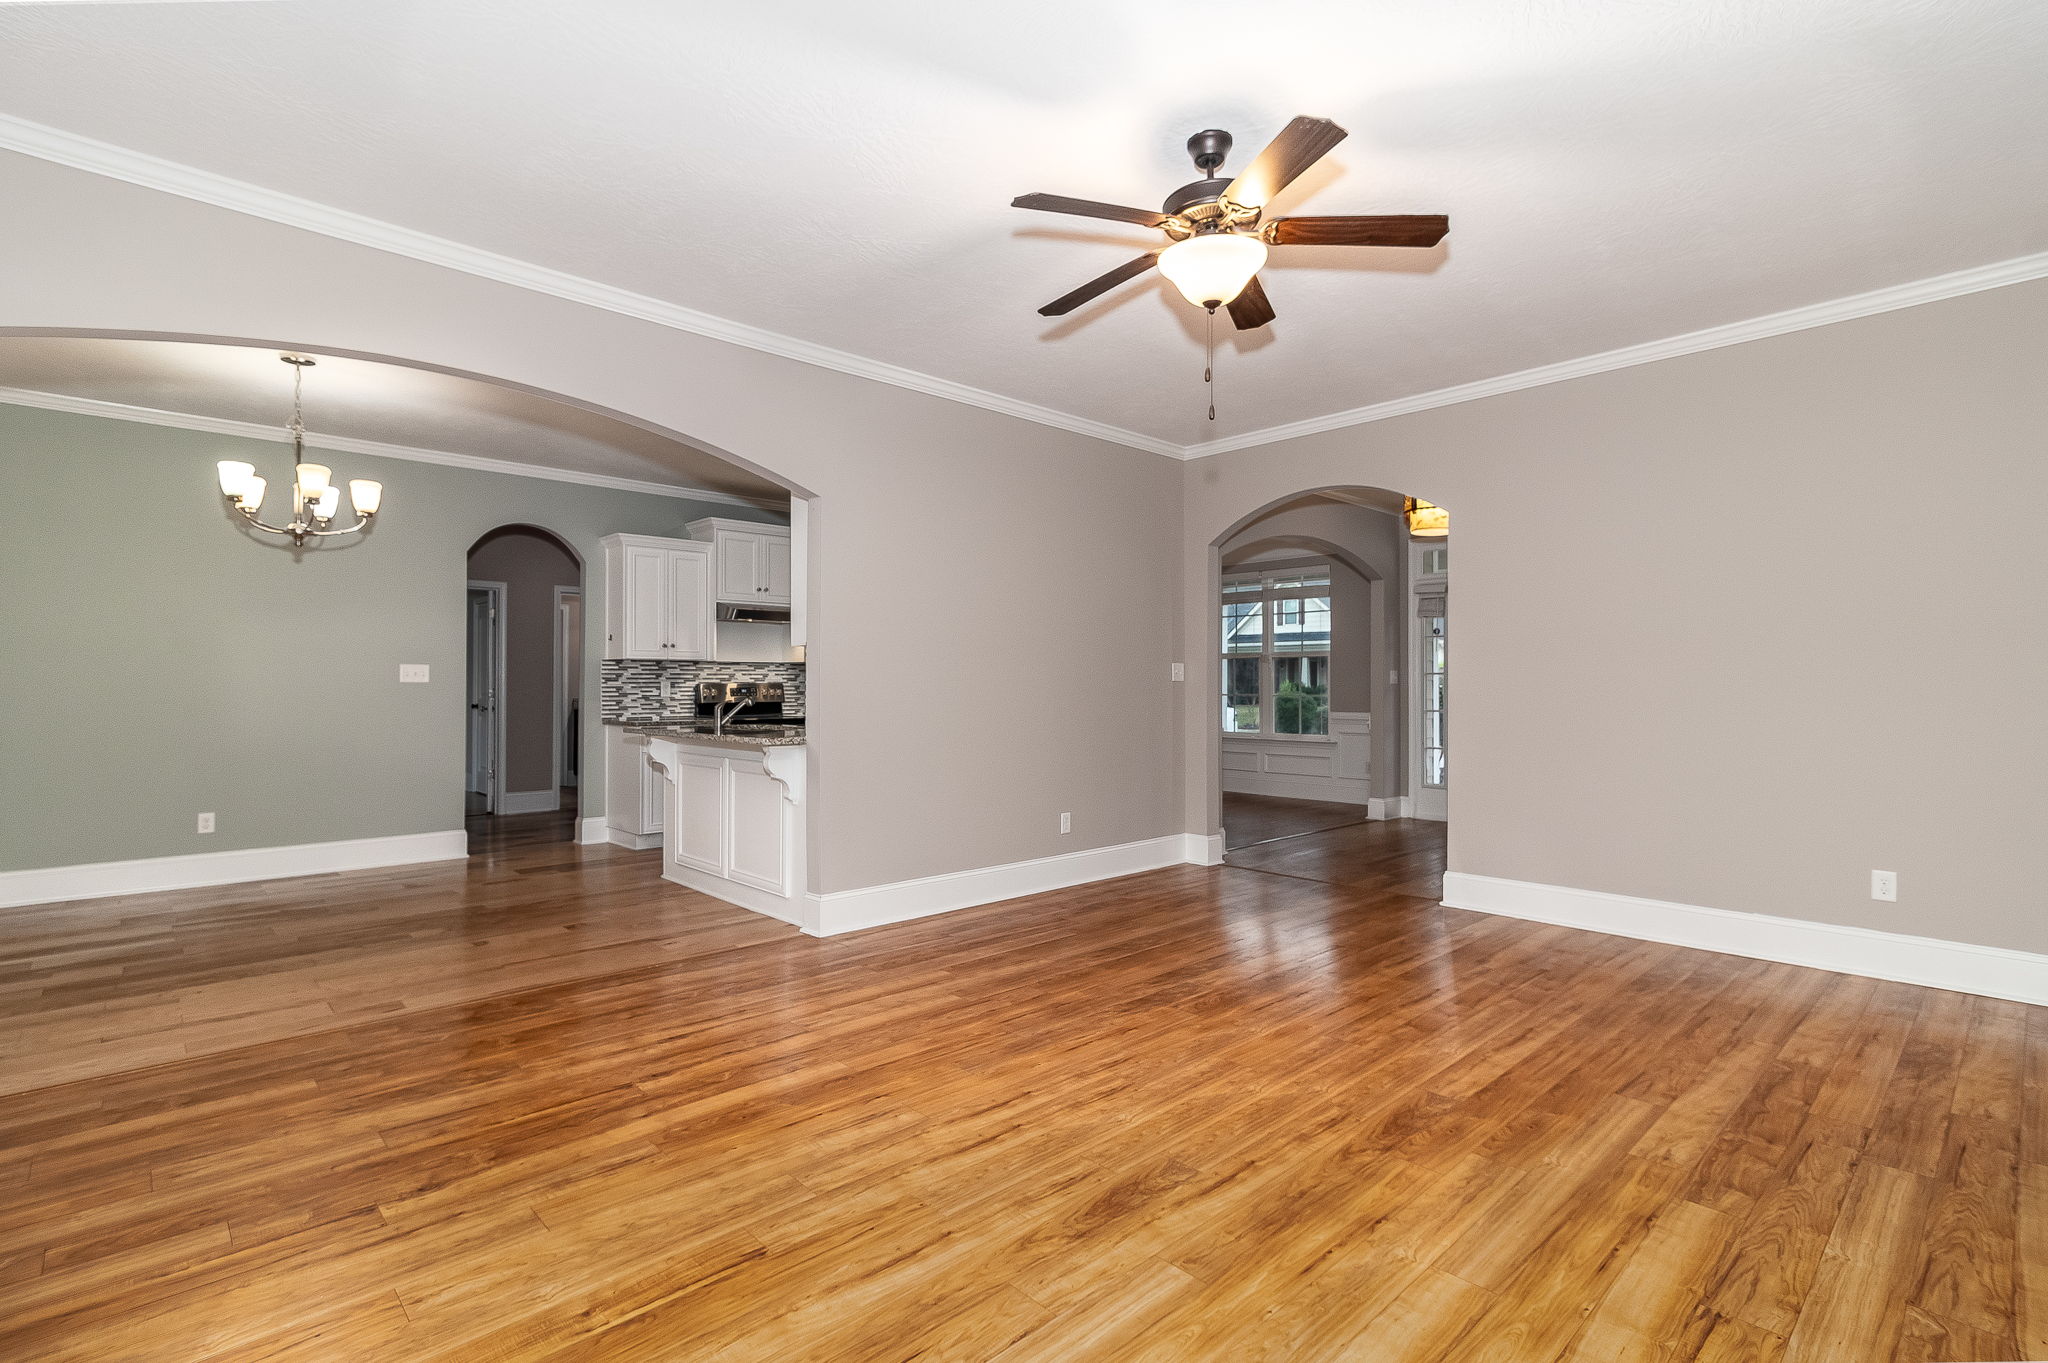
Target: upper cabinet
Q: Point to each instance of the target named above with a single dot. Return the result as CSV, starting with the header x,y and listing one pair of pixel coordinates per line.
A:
x,y
753,560
658,598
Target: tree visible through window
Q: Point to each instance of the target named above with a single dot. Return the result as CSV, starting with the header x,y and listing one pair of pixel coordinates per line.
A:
x,y
1276,652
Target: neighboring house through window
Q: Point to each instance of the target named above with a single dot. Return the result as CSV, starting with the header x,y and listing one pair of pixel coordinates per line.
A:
x,y
1276,652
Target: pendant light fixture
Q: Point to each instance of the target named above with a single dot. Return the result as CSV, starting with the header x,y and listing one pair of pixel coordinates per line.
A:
x,y
315,498
1426,520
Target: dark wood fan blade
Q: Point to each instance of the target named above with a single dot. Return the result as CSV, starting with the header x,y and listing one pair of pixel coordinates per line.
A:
x,y
1251,309
1300,145
1101,284
1088,208
1392,229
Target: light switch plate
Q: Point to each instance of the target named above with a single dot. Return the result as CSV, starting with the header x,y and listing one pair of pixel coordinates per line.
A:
x,y
1180,671
412,672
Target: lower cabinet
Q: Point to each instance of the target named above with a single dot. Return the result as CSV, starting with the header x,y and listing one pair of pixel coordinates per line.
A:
x,y
633,790
732,819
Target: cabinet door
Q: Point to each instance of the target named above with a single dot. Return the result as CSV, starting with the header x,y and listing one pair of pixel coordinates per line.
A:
x,y
775,556
647,607
625,758
653,794
697,823
740,570
690,609
757,839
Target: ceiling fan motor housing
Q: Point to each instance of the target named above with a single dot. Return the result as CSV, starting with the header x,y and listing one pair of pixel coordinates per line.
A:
x,y
1190,199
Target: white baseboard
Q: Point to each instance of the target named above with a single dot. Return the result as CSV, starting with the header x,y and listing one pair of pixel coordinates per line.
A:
x,y
636,842
530,802
96,880
850,910
1201,849
593,829
1994,972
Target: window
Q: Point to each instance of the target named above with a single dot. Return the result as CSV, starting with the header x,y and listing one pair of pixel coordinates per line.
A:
x,y
1436,738
1276,653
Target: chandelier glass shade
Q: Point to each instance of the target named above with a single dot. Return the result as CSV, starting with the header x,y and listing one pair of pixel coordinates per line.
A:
x,y
315,496
1213,268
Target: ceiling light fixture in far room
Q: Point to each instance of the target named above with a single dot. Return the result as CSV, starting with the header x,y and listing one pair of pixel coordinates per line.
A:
x,y
1218,229
315,498
1426,520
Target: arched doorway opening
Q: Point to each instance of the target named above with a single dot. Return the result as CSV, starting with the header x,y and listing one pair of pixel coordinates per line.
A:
x,y
1330,706
407,779
524,662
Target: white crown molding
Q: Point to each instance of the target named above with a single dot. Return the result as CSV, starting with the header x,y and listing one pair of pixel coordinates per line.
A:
x,y
170,177
1994,972
1974,280
152,172
341,444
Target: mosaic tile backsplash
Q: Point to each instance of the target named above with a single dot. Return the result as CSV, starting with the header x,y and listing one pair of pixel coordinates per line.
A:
x,y
632,690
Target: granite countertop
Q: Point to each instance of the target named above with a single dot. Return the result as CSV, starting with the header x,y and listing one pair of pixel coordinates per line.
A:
x,y
767,736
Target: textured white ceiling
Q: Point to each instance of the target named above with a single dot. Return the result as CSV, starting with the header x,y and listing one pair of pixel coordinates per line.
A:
x,y
1616,171
364,400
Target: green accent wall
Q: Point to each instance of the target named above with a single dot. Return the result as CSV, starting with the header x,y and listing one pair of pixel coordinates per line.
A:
x,y
157,658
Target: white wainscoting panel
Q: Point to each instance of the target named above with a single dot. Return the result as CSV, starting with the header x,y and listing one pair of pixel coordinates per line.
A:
x,y
531,802
96,880
1994,972
1337,769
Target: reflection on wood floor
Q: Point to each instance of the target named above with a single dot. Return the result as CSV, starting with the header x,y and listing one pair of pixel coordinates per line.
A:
x,y
493,833
556,1108
1334,844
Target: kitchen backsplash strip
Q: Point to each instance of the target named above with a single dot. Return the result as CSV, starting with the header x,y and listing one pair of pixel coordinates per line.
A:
x,y
632,690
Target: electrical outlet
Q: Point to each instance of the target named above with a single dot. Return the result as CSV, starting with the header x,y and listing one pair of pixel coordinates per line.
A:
x,y
1180,671
1066,823
1884,885
206,823
412,672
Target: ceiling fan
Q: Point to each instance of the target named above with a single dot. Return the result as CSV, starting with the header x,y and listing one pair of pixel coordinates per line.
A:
x,y
1218,229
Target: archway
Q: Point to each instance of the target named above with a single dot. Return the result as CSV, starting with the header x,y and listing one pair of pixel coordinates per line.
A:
x,y
524,652
450,523
1328,706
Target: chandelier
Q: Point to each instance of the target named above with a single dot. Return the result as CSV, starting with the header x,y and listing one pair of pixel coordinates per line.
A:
x,y
1426,520
315,498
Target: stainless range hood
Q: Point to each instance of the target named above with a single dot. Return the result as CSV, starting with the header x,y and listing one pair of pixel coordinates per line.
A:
x,y
754,615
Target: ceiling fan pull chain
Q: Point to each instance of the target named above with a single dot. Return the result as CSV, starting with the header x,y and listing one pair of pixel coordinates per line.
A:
x,y
1209,369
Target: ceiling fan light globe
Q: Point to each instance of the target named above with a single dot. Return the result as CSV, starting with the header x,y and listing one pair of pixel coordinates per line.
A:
x,y
1211,269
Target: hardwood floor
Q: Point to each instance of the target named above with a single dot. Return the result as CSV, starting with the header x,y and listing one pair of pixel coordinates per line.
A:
x,y
1203,1113
1249,819
493,833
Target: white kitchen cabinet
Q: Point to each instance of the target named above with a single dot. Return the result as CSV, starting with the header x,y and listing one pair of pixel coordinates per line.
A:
x,y
753,560
756,827
659,599
699,836
733,825
633,791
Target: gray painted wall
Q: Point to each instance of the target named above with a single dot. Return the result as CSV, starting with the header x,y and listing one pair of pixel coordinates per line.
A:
x,y
991,563
1736,628
162,660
